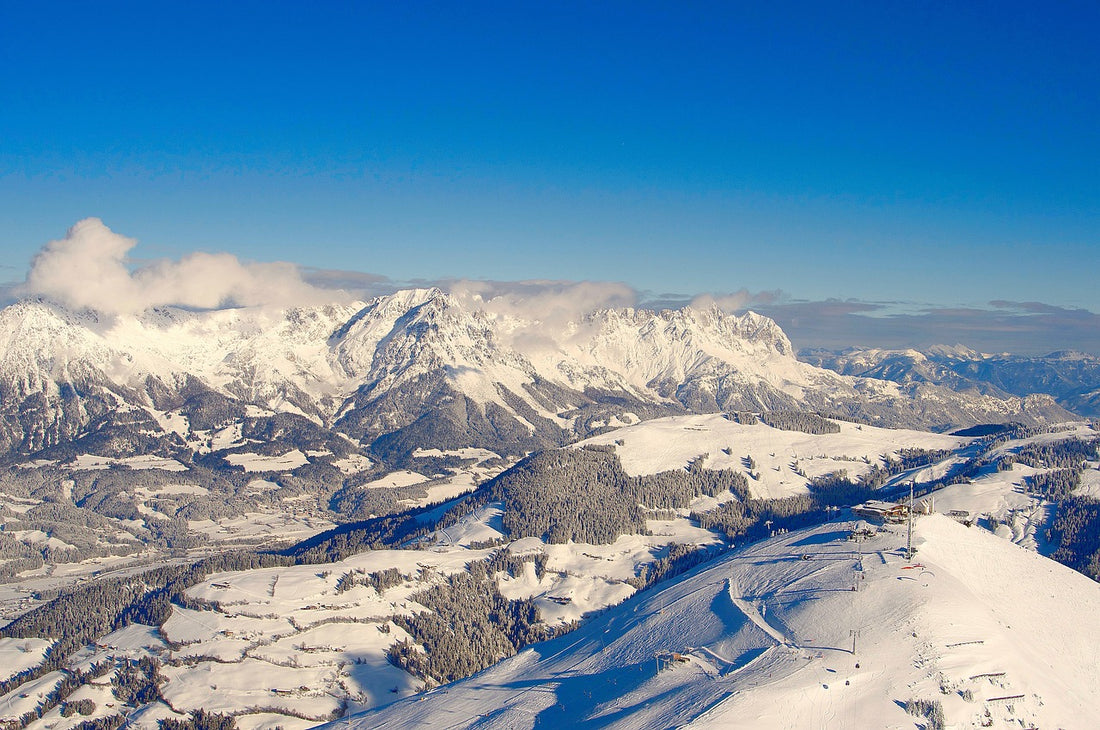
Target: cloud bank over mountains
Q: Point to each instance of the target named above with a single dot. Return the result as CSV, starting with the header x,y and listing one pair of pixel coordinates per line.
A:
x,y
1024,328
90,268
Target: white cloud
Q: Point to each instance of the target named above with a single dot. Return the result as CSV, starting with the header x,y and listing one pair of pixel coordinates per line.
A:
x,y
88,268
541,309
545,300
737,301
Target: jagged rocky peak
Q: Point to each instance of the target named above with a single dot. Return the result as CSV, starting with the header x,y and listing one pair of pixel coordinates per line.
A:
x,y
43,345
753,327
689,320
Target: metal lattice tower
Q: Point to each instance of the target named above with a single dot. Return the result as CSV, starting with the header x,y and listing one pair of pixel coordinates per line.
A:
x,y
909,537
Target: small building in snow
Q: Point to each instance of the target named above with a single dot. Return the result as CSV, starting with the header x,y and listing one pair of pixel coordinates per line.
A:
x,y
961,516
879,511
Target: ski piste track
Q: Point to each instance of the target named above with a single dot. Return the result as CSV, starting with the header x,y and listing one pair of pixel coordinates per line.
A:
x,y
786,634
766,649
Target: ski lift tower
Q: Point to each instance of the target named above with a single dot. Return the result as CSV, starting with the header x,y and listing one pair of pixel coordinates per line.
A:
x,y
857,569
909,537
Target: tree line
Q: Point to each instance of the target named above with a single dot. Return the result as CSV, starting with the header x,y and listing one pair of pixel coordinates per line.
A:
x,y
469,626
584,495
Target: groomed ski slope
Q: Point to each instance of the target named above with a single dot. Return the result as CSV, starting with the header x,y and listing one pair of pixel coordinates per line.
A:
x,y
999,635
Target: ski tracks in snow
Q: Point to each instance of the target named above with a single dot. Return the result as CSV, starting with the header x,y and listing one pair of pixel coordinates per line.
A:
x,y
754,615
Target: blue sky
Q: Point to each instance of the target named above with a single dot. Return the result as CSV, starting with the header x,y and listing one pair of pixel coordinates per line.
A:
x,y
938,155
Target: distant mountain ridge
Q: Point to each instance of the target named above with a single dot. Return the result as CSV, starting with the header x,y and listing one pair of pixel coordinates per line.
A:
x,y
1071,378
420,368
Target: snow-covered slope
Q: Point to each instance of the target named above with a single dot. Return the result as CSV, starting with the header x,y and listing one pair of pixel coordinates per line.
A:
x,y
764,637
783,462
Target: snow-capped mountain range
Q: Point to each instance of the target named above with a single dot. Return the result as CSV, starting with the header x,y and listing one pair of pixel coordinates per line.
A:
x,y
1072,378
422,368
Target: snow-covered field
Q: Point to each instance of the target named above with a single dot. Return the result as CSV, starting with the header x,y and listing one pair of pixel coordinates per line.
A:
x,y
483,465
17,655
92,462
258,462
147,461
278,526
402,478
286,642
670,443
1000,498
